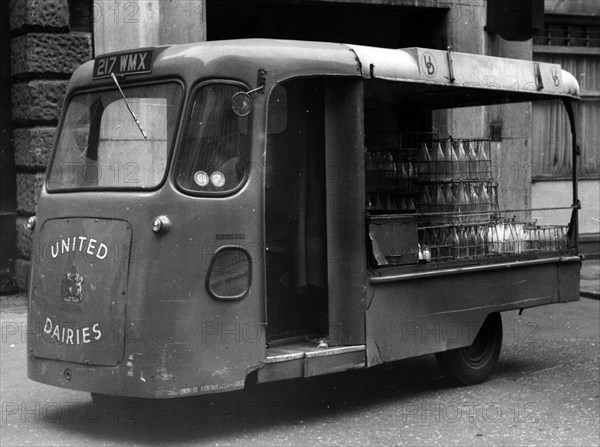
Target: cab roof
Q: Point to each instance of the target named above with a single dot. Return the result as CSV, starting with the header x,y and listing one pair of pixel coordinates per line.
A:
x,y
283,59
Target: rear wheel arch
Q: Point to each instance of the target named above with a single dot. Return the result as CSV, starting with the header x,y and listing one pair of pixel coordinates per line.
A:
x,y
473,364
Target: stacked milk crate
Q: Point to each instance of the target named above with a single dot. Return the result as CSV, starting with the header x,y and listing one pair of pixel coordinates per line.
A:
x,y
507,236
458,207
391,174
457,198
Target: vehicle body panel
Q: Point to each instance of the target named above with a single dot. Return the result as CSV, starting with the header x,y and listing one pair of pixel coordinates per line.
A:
x,y
177,339
444,310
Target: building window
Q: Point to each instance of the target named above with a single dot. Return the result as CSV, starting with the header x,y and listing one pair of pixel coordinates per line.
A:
x,y
573,43
569,31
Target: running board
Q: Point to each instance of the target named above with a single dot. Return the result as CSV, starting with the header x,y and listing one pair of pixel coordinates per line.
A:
x,y
307,360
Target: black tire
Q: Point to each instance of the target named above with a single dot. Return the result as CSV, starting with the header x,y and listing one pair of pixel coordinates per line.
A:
x,y
108,402
101,399
474,364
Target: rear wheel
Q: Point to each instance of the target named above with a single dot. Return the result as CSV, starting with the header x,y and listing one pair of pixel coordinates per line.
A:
x,y
108,403
473,364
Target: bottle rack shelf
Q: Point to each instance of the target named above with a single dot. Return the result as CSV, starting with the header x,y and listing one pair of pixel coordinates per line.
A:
x,y
447,186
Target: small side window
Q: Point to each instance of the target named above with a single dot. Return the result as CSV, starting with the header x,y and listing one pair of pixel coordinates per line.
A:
x,y
229,274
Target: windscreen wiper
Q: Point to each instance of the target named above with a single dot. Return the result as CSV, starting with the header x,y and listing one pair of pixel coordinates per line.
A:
x,y
127,104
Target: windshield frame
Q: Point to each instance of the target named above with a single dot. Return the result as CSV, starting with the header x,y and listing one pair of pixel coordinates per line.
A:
x,y
185,127
91,89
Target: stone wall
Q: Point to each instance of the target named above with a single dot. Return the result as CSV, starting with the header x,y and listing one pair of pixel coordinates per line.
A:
x,y
44,54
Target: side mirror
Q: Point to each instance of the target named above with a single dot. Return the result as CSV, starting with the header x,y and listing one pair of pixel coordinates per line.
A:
x,y
241,103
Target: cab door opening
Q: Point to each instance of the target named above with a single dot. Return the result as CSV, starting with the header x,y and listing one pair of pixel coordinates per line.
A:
x,y
295,212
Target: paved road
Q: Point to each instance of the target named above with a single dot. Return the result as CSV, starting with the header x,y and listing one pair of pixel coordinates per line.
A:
x,y
545,391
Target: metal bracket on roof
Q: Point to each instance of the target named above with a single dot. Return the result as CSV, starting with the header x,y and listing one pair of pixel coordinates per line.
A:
x,y
451,77
539,84
261,79
357,59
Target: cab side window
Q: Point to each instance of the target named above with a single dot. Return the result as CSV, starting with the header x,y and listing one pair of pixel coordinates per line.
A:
x,y
216,148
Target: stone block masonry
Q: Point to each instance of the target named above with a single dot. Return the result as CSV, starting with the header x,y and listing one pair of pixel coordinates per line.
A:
x,y
39,13
33,146
38,101
24,243
29,186
49,53
44,52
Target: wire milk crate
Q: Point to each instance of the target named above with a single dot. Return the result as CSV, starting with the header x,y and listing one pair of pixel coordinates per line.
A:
x,y
521,237
494,238
391,175
455,182
451,160
458,202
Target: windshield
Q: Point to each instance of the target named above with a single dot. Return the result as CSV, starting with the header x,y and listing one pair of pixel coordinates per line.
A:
x,y
216,147
101,146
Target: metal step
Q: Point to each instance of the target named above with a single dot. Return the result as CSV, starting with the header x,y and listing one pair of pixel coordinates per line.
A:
x,y
307,360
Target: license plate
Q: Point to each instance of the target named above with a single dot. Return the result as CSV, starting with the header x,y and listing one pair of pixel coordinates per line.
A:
x,y
127,63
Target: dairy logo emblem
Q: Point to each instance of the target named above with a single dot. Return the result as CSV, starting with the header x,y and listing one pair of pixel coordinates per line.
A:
x,y
555,78
72,286
429,64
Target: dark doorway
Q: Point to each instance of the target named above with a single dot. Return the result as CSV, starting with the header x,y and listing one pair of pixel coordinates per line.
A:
x,y
8,204
356,23
295,223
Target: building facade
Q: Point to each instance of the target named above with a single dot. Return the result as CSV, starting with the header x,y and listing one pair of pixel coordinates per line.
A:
x,y
570,37
45,40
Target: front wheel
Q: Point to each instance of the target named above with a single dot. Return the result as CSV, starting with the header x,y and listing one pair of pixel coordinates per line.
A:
x,y
473,364
108,402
